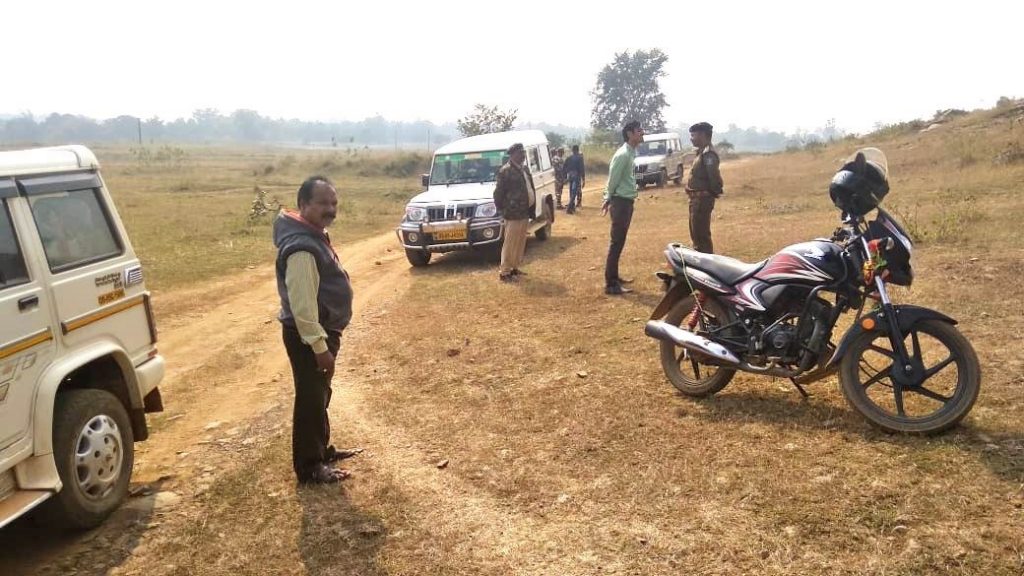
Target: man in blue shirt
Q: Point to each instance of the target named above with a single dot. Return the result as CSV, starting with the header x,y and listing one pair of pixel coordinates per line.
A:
x,y
618,200
576,173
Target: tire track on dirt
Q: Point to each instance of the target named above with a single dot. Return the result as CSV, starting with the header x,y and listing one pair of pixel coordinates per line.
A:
x,y
226,365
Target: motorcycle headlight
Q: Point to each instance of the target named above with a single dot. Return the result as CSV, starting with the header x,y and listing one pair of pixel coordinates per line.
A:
x,y
488,210
415,213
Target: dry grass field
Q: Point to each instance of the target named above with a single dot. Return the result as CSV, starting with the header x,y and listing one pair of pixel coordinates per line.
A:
x,y
528,429
186,208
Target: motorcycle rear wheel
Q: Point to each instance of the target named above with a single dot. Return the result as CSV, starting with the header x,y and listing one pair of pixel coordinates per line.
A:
x,y
687,370
947,378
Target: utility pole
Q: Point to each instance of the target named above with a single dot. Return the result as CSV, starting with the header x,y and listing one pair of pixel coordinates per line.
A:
x,y
139,121
428,140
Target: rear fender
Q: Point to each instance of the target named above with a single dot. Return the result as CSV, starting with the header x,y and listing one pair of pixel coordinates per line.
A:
x,y
676,293
906,316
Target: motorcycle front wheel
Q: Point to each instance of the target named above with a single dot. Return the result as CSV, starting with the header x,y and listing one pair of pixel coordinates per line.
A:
x,y
688,371
939,388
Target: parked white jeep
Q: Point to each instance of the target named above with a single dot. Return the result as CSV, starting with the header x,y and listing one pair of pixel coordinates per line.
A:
x,y
78,364
659,158
457,212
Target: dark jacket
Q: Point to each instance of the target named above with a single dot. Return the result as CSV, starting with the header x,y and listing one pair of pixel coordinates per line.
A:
x,y
334,299
574,167
511,195
704,173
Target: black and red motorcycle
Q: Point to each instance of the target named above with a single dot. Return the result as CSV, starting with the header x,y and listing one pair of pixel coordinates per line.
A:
x,y
905,368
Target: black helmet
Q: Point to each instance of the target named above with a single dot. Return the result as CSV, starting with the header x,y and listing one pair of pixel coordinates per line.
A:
x,y
861,183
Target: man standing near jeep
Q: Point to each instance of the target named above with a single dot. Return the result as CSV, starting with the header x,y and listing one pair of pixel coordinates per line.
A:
x,y
703,187
514,196
558,163
618,199
576,173
316,305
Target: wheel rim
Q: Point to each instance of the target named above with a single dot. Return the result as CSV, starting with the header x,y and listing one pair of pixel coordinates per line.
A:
x,y
933,383
98,457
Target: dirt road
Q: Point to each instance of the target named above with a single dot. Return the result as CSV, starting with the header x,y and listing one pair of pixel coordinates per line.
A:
x,y
226,368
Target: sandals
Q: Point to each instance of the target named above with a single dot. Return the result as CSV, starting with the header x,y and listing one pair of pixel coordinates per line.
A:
x,y
324,474
335,455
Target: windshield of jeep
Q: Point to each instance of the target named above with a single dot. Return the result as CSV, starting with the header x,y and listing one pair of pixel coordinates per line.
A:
x,y
466,168
653,148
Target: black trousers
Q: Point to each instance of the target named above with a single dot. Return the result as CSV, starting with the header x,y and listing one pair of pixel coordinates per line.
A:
x,y
701,206
311,430
621,211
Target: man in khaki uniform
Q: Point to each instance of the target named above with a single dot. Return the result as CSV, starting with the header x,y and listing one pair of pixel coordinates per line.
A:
x,y
703,187
558,163
514,197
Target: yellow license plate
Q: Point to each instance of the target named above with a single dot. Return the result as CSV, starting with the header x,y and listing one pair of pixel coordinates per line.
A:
x,y
450,234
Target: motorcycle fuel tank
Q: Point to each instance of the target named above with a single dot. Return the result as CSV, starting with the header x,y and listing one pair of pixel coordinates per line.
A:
x,y
815,262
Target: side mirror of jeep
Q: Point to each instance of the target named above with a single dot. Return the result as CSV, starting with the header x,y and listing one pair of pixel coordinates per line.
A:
x,y
425,180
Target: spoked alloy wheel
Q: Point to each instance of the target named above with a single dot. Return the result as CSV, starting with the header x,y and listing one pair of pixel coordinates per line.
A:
x,y
930,395
687,370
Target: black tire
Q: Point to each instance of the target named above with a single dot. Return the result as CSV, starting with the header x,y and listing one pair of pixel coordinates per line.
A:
x,y
94,468
863,382
662,178
544,232
692,382
678,179
418,258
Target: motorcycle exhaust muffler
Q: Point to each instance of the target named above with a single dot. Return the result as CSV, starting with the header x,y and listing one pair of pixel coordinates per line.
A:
x,y
664,331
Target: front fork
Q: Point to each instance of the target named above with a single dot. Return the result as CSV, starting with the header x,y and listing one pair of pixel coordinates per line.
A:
x,y
902,372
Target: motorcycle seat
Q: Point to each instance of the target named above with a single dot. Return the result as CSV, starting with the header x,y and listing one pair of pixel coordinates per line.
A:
x,y
729,270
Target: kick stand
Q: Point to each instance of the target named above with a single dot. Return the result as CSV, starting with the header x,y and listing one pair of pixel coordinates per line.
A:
x,y
800,388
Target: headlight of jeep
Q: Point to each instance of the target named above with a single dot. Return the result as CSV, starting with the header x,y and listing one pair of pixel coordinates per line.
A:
x,y
488,210
415,213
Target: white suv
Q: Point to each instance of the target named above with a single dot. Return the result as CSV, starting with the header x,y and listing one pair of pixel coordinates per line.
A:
x,y
457,212
78,364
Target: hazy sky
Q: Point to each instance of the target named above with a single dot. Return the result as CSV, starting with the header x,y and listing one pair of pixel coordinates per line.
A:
x,y
781,65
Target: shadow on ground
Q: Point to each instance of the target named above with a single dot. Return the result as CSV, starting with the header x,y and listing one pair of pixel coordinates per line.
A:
x,y
30,546
1002,453
336,537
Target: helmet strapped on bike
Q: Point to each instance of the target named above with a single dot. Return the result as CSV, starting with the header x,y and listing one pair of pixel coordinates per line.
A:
x,y
859,186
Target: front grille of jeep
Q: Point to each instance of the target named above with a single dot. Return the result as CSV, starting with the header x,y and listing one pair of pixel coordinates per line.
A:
x,y
450,212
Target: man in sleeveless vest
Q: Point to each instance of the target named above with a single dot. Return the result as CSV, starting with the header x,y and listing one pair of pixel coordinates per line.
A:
x,y
316,306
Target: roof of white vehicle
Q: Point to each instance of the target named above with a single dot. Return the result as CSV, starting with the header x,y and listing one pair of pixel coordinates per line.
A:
x,y
495,141
660,136
46,160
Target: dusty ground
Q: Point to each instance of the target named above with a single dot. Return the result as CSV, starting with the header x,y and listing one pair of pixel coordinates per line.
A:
x,y
529,429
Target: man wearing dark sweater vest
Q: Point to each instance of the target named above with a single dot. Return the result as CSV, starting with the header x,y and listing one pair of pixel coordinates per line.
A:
x,y
316,305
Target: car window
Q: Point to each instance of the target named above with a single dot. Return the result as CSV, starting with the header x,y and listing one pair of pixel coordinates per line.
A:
x,y
651,148
545,158
465,168
534,159
74,228
12,263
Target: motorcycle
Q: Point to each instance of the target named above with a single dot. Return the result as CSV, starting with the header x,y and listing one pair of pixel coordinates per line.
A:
x,y
905,368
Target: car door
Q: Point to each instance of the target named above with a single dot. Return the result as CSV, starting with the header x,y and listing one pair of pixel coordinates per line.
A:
x,y
543,174
95,280
26,338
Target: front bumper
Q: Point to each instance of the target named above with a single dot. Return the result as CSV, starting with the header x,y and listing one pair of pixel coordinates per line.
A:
x,y
647,178
437,236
